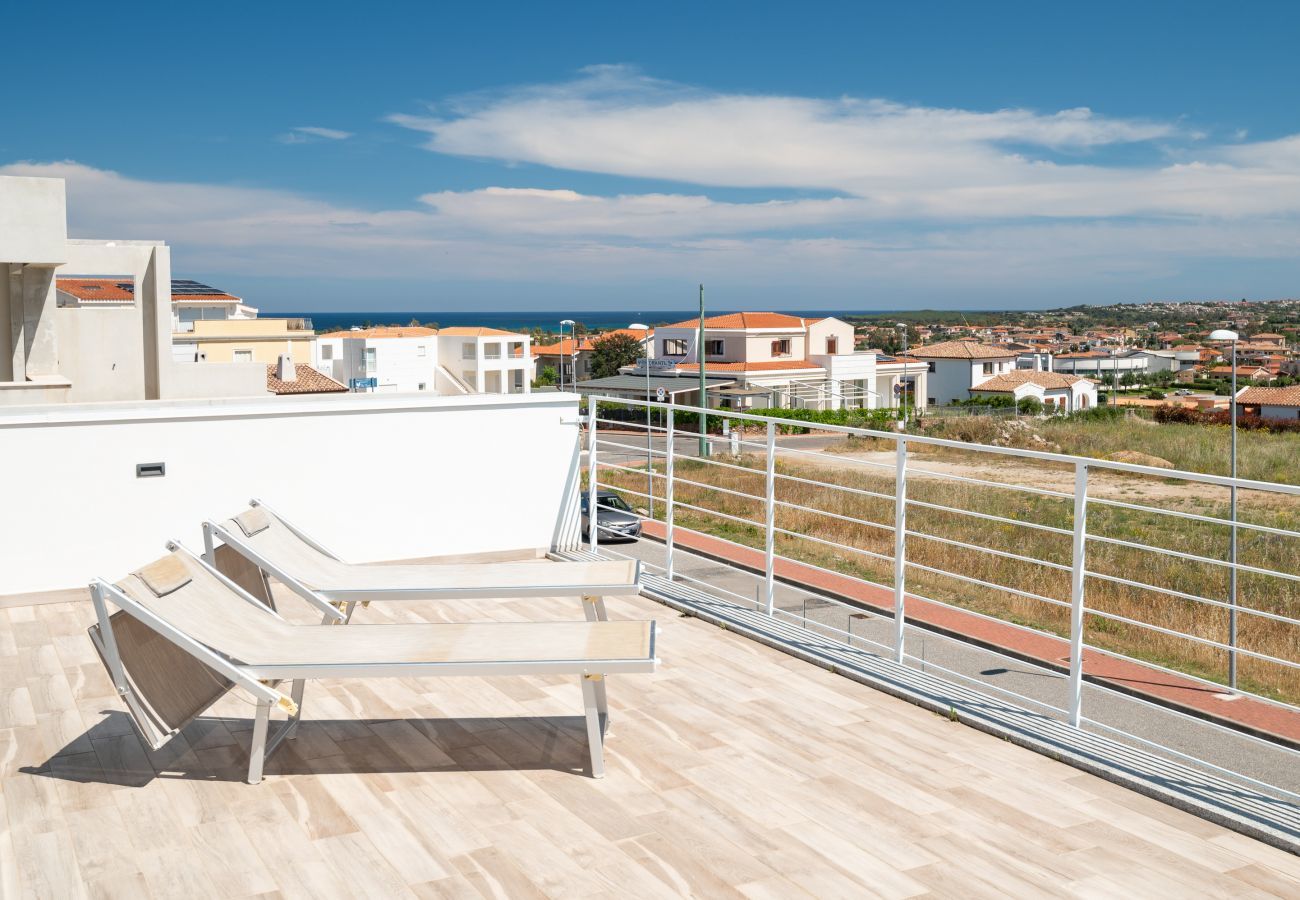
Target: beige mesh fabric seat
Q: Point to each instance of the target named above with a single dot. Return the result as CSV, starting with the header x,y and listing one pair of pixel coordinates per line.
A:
x,y
286,553
184,635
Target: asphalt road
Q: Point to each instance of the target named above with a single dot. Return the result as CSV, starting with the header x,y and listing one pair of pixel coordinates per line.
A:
x,y
871,631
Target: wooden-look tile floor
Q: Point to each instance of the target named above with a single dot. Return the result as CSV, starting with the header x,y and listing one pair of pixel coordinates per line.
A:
x,y
735,770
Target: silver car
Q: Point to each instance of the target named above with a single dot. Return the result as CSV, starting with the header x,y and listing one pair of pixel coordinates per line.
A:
x,y
616,520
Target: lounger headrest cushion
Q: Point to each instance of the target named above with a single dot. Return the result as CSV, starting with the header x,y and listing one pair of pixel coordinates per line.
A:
x,y
253,521
163,576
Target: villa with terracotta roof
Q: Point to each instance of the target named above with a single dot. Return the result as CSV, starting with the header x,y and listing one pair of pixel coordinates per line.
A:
x,y
1064,393
573,357
1270,402
760,359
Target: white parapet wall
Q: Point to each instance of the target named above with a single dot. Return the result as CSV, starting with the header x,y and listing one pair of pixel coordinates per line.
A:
x,y
372,476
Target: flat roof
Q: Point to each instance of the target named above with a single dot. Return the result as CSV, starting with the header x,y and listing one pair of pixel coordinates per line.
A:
x,y
671,383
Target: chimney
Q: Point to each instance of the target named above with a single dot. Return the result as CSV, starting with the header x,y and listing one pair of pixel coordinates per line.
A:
x,y
284,369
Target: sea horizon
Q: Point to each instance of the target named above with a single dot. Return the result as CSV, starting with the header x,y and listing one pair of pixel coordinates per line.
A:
x,y
523,320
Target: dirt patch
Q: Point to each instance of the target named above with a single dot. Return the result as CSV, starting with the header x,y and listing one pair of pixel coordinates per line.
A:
x,y
1133,457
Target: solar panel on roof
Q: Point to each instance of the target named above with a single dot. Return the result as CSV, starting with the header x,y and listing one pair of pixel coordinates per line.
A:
x,y
182,287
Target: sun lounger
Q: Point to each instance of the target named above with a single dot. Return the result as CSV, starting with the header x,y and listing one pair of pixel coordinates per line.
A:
x,y
185,634
287,554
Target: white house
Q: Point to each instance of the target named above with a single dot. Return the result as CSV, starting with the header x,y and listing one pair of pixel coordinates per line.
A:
x,y
1063,393
79,352
955,367
193,301
761,359
486,360
1270,402
399,360
1100,363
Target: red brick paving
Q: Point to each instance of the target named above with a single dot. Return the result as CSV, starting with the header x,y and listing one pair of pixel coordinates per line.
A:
x,y
1130,677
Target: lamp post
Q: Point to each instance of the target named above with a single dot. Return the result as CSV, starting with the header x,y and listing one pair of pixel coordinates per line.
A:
x,y
571,325
1223,334
902,395
704,391
649,462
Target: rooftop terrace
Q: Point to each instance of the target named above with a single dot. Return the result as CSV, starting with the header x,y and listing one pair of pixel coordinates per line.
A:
x,y
735,771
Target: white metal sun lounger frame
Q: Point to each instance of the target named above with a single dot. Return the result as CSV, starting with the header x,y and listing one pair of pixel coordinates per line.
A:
x,y
338,605
261,681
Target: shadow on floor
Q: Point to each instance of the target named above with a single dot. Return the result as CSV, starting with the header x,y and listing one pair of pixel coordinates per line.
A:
x,y
215,748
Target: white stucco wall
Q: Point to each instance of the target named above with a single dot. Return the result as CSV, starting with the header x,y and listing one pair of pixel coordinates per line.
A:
x,y
33,226
372,476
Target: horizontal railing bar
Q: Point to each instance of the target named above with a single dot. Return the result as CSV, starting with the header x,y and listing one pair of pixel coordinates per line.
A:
x,y
832,544
640,472
988,584
1040,632
990,517
1192,557
1137,623
632,448
839,487
825,512
1219,685
1195,598
1006,554
857,462
1164,748
714,512
640,425
713,487
931,664
1213,520
1045,492
717,462
802,622
624,490
924,440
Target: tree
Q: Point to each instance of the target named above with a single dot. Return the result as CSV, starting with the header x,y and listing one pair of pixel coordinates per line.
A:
x,y
547,377
613,351
1030,406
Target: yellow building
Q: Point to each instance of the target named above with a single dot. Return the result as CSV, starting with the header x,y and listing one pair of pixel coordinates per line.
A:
x,y
246,340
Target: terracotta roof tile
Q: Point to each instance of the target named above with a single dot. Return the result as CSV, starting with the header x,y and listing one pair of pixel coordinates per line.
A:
x,y
742,320
1009,381
775,365
470,331
961,350
388,331
1271,396
309,381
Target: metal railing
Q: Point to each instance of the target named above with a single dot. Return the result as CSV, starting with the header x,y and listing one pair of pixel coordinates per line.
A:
x,y
1089,561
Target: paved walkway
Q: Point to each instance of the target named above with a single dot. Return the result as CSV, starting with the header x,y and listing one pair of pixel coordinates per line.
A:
x,y
1243,712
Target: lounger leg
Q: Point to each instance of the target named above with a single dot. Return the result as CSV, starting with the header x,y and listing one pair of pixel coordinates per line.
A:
x,y
594,609
595,735
209,556
296,693
257,751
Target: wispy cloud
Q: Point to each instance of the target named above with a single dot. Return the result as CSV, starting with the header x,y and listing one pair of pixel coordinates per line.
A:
x,y
306,134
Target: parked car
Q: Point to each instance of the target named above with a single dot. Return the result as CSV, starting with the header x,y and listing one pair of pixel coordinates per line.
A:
x,y
1183,393
617,521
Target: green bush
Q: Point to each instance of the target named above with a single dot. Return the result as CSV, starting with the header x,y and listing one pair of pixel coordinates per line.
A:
x,y
1030,406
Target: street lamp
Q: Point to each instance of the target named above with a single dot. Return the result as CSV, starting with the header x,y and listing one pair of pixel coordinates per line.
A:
x,y
1223,334
649,467
571,325
902,394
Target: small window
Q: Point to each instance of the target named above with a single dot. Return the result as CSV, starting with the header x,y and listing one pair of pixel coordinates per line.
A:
x,y
372,359
929,367
713,348
422,385
781,347
674,346
243,356
832,346
468,351
419,351
327,352
988,368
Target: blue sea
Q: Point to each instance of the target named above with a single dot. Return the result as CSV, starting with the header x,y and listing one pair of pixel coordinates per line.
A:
x,y
519,321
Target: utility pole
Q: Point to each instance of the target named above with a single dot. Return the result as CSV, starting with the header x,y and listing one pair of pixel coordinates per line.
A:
x,y
704,393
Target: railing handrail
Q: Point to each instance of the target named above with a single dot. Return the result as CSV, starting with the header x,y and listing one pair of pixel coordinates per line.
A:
x,y
1063,458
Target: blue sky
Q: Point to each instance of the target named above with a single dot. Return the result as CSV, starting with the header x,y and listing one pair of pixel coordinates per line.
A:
x,y
515,156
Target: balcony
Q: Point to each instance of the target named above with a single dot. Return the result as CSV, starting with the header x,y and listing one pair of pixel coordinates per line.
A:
x,y
738,768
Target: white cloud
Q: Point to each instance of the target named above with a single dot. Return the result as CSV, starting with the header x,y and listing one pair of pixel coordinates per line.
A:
x,y
305,134
903,162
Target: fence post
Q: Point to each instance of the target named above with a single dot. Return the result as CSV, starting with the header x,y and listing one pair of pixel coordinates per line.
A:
x,y
668,496
769,565
593,514
900,545
1077,571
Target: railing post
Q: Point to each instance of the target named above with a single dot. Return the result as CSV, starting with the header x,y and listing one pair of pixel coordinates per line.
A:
x,y
1077,570
593,514
668,496
769,558
900,546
